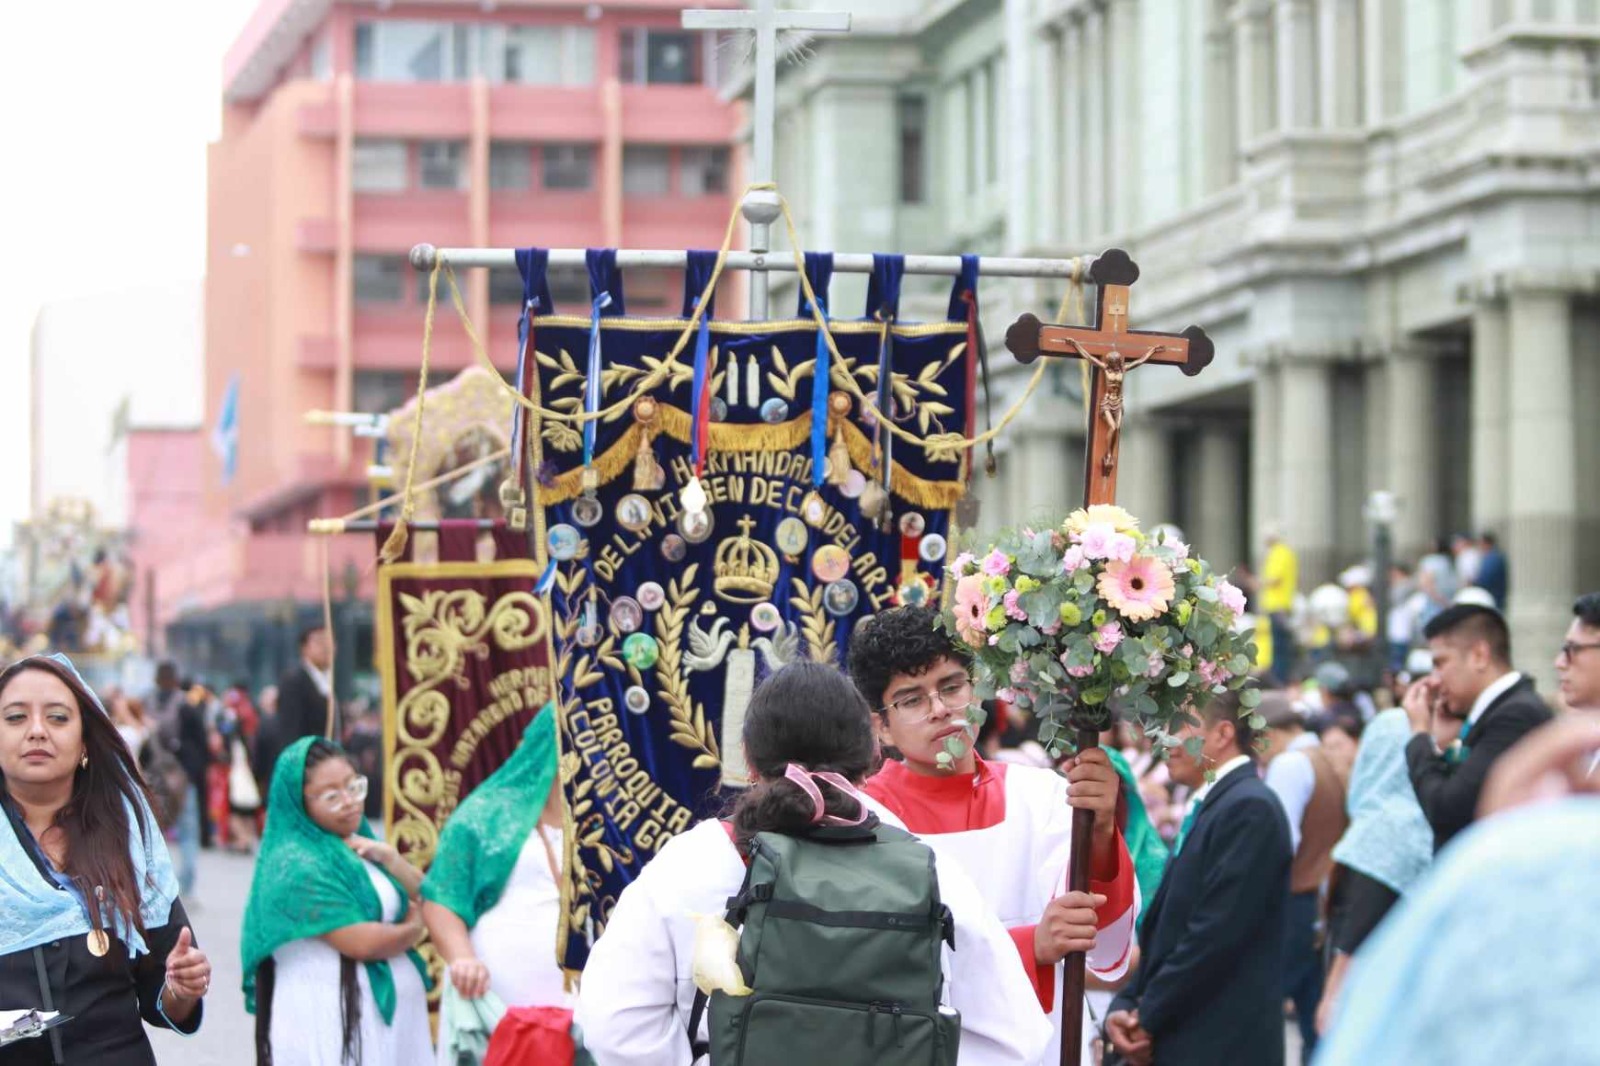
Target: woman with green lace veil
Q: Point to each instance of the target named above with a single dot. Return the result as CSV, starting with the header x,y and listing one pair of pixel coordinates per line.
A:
x,y
493,893
329,966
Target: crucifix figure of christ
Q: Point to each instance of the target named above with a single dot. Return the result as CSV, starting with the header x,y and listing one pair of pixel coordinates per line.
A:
x,y
765,20
1111,350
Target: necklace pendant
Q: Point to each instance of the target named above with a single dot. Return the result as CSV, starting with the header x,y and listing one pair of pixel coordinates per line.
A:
x,y
99,943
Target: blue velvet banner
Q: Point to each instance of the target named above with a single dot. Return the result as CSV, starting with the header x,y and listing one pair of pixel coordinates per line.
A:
x,y
663,621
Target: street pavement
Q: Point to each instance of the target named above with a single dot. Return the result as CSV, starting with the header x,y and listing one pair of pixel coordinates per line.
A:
x,y
227,1036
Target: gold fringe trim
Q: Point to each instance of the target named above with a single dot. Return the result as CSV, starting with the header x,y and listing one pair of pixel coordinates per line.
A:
x,y
730,437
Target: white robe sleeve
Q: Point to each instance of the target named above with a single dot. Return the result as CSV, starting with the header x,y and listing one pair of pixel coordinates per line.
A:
x,y
628,1002
1109,958
1001,1022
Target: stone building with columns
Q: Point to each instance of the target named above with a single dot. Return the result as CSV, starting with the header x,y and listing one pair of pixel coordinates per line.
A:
x,y
1384,212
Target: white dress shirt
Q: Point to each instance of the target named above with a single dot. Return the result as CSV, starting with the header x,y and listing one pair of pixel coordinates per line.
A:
x,y
1496,689
1293,779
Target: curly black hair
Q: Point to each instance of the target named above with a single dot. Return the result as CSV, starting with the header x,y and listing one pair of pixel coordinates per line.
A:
x,y
902,640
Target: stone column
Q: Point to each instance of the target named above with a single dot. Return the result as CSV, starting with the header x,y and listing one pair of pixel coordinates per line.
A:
x,y
1122,184
1266,451
1252,51
1491,360
1017,139
1542,501
1220,140
1339,61
1306,435
1381,27
1096,159
1144,484
1296,65
1043,180
1069,178
1218,532
1412,455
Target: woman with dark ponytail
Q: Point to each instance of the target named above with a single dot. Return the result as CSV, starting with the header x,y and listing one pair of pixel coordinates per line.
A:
x,y
91,925
329,966
808,741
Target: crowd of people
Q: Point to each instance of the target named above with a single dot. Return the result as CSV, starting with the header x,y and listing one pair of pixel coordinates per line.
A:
x,y
1287,865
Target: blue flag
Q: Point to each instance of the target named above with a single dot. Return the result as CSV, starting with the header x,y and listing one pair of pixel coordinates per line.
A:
x,y
225,436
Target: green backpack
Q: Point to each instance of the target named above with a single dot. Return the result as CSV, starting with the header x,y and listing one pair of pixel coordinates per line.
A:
x,y
840,941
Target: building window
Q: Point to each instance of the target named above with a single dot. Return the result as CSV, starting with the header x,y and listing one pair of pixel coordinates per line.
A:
x,y
646,171
542,55
379,279
704,171
441,165
510,166
568,166
463,283
381,391
913,119
661,57
378,166
414,50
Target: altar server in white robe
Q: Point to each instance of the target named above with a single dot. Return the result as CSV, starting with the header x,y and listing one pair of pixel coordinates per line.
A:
x,y
1008,826
638,988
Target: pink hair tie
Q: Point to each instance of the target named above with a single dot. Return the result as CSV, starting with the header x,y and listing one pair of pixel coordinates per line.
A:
x,y
808,784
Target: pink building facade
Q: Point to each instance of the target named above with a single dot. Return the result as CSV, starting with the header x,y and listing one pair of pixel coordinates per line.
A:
x,y
352,131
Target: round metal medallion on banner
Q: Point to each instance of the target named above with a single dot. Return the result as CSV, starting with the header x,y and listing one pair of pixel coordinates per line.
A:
x,y
719,409
773,411
673,548
588,635
932,548
765,617
830,562
695,526
564,541
641,651
633,512
626,615
839,403
636,699
587,511
792,536
651,595
912,524
814,509
854,484
841,597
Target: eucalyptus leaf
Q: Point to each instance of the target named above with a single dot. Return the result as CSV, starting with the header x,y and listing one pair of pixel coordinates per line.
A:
x,y
1179,679
1250,698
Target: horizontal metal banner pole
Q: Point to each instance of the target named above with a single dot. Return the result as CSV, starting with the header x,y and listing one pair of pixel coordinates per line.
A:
x,y
423,257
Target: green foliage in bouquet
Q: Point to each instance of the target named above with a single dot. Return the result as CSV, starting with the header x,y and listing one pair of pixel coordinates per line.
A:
x,y
1094,621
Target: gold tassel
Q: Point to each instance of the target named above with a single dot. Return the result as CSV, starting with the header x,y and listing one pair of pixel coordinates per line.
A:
x,y
395,545
648,475
838,460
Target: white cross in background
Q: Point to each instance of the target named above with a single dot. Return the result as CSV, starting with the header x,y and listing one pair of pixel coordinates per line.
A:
x,y
761,209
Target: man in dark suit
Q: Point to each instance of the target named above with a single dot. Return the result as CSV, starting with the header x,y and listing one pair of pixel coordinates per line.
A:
x,y
303,696
1465,714
1209,988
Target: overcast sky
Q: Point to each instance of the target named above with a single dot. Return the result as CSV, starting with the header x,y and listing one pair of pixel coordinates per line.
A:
x,y
109,106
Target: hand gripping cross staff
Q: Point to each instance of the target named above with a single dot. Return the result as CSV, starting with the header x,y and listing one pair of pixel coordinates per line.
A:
x,y
1102,347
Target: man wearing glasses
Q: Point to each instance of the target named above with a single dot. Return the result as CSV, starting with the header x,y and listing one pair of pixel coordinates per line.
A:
x,y
1009,826
1578,663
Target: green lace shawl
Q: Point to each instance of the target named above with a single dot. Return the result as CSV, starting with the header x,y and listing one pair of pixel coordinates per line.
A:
x,y
484,836
308,883
1145,846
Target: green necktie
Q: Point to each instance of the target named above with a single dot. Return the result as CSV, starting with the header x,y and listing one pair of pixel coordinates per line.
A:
x,y
1183,830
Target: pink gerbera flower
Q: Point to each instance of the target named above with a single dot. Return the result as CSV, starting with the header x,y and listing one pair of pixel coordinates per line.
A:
x,y
972,604
1139,589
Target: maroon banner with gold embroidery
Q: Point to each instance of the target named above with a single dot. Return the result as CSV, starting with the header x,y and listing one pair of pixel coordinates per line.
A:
x,y
465,655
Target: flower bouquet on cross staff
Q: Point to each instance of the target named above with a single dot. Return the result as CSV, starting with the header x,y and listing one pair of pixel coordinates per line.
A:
x,y
1093,622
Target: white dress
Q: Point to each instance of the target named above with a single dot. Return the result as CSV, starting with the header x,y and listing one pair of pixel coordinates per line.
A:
x,y
516,938
307,1029
638,989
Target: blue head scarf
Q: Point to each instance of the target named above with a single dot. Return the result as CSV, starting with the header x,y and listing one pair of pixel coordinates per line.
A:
x,y
34,912
1389,839
1491,958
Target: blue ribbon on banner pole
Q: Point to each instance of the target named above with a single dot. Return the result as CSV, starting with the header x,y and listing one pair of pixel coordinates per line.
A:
x,y
819,268
591,388
698,392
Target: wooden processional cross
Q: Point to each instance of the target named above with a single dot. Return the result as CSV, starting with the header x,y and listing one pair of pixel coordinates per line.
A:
x,y
1112,350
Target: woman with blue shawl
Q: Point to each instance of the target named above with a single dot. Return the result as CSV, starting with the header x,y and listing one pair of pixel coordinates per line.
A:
x,y
1387,846
330,969
91,926
493,893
